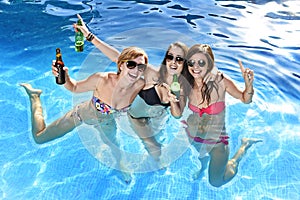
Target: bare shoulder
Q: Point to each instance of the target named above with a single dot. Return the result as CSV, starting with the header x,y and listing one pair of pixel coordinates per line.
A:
x,y
140,83
102,77
151,73
108,76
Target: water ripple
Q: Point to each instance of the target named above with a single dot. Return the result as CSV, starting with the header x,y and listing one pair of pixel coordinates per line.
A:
x,y
283,15
250,47
151,2
189,18
234,6
178,7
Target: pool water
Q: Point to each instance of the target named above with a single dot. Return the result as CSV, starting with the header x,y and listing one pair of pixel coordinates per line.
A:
x,y
263,34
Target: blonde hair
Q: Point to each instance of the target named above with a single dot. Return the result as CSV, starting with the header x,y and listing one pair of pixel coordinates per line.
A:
x,y
130,53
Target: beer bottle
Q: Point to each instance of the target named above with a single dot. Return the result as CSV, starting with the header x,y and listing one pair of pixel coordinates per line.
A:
x,y
79,38
59,64
175,86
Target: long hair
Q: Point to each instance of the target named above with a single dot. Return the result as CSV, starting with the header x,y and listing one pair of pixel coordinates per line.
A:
x,y
130,53
206,88
163,66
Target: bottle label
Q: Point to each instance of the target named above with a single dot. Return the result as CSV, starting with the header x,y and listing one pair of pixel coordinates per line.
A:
x,y
175,89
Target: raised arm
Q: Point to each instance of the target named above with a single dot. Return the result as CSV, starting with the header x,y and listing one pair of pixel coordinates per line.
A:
x,y
105,48
246,95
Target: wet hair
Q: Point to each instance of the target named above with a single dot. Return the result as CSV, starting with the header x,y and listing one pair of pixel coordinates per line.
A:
x,y
163,66
130,53
206,88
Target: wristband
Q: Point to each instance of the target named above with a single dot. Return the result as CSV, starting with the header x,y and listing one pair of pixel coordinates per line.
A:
x,y
90,37
251,93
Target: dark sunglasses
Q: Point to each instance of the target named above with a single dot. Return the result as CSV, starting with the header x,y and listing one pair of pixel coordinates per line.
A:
x,y
132,64
191,63
178,59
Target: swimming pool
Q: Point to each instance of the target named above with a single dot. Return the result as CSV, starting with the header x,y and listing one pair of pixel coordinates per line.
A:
x,y
261,33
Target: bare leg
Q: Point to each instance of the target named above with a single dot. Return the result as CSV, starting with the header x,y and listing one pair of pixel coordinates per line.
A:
x,y
232,165
221,171
153,147
199,173
203,158
145,132
107,132
40,132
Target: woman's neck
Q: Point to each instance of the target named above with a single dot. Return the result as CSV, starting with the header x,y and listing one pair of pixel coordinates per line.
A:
x,y
198,82
169,78
122,84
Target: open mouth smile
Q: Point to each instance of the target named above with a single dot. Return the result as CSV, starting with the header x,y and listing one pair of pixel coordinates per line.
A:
x,y
133,76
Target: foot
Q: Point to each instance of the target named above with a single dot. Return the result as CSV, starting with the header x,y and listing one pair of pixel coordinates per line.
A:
x,y
126,174
197,175
127,177
200,173
163,164
248,142
31,91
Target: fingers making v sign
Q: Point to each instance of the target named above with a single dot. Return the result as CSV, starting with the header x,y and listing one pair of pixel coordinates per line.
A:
x,y
247,74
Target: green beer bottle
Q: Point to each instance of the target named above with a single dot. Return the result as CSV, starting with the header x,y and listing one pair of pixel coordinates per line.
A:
x,y
175,86
79,38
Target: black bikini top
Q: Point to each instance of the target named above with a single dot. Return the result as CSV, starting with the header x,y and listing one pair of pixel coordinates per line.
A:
x,y
151,97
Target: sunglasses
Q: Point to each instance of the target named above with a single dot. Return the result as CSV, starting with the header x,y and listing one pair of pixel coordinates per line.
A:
x,y
191,63
132,64
178,59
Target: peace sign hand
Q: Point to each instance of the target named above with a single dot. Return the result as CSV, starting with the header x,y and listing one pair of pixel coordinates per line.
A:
x,y
248,75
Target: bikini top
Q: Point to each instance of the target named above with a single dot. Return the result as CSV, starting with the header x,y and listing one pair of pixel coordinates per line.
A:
x,y
140,109
151,97
212,109
104,108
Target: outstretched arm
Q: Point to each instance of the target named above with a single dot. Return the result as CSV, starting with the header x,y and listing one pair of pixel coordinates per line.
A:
x,y
88,84
105,48
246,95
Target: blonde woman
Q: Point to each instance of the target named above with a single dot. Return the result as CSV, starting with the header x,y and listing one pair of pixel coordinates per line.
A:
x,y
112,93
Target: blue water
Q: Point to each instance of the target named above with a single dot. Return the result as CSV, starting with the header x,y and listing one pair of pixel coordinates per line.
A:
x,y
263,34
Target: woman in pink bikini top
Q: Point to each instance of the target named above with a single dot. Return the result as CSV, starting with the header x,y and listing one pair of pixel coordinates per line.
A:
x,y
205,127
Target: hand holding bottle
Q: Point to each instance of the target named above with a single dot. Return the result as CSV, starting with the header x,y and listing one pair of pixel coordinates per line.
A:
x,y
55,71
59,65
79,38
175,86
171,96
81,27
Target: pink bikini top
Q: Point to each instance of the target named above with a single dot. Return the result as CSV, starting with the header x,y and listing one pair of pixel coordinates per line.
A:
x,y
212,109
